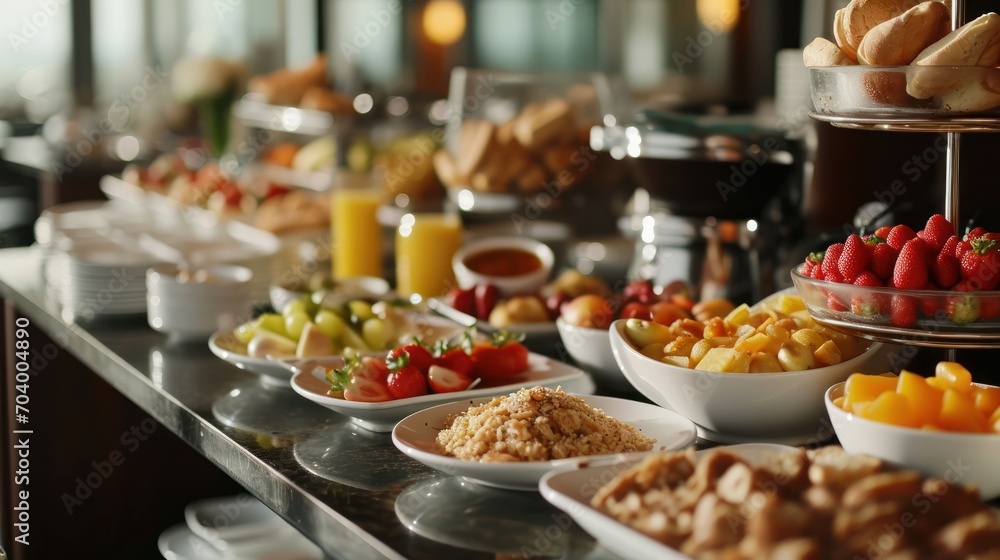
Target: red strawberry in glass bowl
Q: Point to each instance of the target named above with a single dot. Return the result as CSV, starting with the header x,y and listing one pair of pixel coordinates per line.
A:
x,y
884,260
936,232
903,312
898,237
854,258
980,264
945,268
910,272
830,264
868,305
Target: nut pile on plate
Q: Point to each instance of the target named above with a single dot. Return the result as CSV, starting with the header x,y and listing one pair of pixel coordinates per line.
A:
x,y
889,33
797,505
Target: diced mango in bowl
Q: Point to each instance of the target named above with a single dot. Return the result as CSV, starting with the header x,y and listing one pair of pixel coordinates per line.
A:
x,y
778,336
949,401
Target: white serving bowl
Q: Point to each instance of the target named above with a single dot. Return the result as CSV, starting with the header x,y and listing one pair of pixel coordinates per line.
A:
x,y
758,405
528,283
193,310
591,350
968,459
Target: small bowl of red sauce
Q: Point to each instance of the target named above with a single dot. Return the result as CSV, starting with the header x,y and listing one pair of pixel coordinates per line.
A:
x,y
515,265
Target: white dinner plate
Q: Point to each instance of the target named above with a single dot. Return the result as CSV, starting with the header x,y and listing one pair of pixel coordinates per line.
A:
x,y
225,345
311,383
571,491
416,436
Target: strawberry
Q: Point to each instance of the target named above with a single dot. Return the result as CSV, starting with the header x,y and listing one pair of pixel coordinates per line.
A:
x,y
884,260
444,380
812,261
899,236
975,232
965,308
910,272
904,311
833,302
867,305
504,357
831,258
945,269
854,259
462,300
989,308
981,264
363,380
883,232
930,305
486,299
416,354
455,359
817,273
406,381
936,232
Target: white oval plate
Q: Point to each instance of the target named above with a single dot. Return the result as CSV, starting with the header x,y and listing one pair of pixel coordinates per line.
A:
x,y
416,436
311,383
225,345
571,492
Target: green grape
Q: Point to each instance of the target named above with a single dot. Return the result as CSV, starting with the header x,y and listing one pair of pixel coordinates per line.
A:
x,y
294,323
373,332
244,333
330,324
354,340
294,306
272,322
360,309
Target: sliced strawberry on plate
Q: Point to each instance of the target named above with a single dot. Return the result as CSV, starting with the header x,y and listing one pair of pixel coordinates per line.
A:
x,y
854,258
904,311
910,272
363,380
444,380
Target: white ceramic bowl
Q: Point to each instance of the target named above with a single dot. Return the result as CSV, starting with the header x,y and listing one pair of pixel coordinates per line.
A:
x,y
591,350
969,459
528,283
192,310
759,405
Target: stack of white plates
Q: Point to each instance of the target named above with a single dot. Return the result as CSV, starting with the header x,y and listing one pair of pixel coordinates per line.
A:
x,y
234,527
98,253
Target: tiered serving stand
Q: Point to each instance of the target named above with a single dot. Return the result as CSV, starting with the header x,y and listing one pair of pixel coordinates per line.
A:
x,y
843,97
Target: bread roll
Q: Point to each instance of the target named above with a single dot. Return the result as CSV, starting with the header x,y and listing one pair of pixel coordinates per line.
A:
x,y
840,35
972,44
822,52
286,87
897,41
477,140
547,123
860,16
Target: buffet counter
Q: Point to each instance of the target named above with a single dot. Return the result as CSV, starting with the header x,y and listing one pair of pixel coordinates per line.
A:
x,y
348,490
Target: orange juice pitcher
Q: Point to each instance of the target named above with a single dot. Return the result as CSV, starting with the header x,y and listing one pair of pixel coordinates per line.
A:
x,y
425,245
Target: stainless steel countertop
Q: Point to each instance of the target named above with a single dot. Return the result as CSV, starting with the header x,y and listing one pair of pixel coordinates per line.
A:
x,y
350,491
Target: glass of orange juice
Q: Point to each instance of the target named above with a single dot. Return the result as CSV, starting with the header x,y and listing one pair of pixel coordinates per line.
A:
x,y
425,245
357,234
